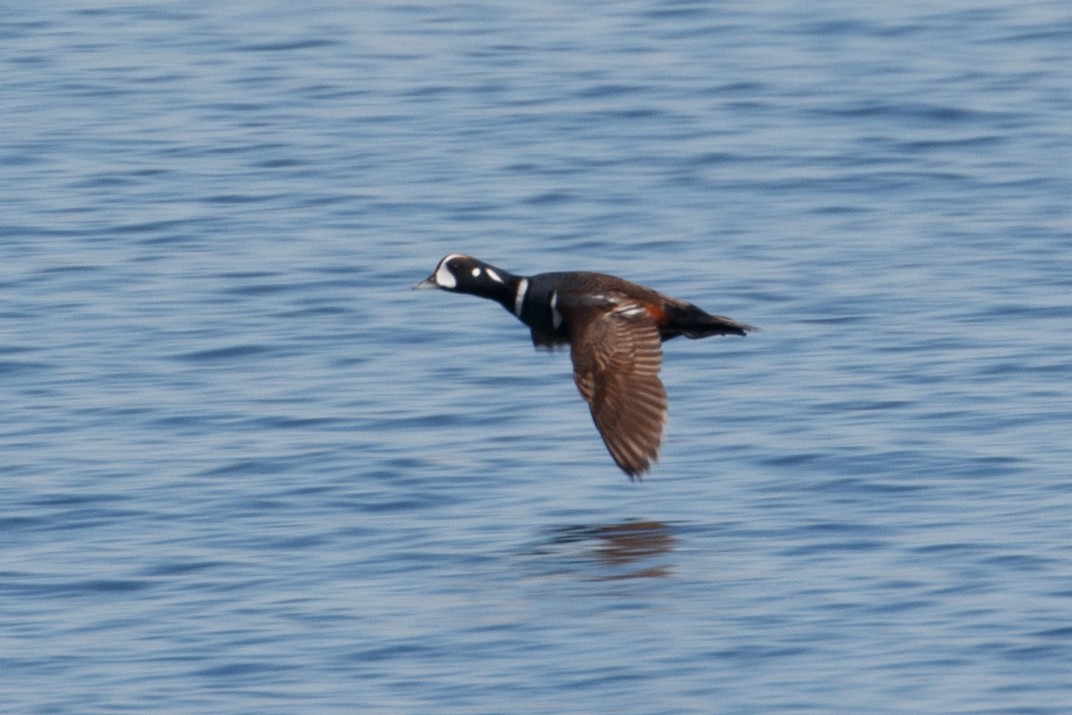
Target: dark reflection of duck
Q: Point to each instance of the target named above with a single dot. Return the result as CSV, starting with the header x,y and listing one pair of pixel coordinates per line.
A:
x,y
630,549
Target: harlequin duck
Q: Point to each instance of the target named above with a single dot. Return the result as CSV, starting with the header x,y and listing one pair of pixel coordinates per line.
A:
x,y
615,330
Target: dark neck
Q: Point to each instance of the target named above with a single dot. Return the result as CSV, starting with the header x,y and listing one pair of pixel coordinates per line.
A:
x,y
504,293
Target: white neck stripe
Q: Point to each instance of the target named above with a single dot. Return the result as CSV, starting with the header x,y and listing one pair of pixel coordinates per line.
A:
x,y
556,317
519,297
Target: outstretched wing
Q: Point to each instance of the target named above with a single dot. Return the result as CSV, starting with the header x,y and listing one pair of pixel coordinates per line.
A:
x,y
617,353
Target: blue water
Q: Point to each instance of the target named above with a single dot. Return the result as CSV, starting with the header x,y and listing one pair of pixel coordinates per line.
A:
x,y
245,469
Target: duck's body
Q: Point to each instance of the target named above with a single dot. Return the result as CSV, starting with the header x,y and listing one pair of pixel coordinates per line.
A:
x,y
615,330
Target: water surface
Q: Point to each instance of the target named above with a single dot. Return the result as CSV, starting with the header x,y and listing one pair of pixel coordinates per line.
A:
x,y
246,469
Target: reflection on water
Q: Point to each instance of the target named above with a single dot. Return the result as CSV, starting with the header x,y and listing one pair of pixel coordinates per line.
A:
x,y
630,549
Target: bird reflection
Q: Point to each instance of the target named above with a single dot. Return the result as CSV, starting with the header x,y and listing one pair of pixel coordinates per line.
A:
x,y
630,549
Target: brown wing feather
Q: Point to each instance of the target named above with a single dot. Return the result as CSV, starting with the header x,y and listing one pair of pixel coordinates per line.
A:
x,y
616,356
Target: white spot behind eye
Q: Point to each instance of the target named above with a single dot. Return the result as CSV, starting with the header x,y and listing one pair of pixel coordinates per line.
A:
x,y
476,272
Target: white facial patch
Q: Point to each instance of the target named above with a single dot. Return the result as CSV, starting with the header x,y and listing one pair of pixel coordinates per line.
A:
x,y
494,276
519,297
443,277
556,317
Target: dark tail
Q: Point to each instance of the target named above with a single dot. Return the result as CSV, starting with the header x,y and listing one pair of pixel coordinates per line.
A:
x,y
695,323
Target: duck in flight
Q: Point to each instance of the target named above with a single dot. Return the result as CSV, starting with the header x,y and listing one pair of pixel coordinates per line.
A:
x,y
615,330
